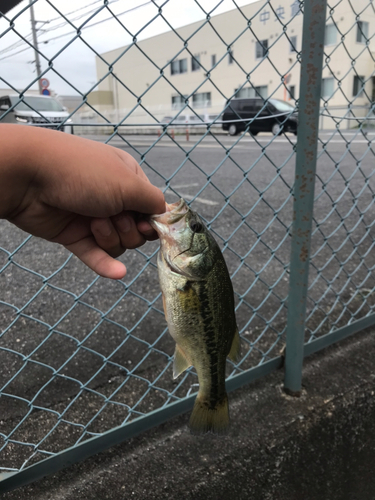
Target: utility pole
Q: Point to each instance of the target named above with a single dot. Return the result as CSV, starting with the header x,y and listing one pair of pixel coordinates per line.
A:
x,y
35,42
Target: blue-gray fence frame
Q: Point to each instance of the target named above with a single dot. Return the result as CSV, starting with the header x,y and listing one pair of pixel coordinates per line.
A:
x,y
296,350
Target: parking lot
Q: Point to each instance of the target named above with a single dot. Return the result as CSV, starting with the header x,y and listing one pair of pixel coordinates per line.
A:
x,y
97,351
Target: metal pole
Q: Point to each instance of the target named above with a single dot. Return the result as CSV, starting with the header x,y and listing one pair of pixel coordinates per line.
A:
x,y
115,97
308,127
35,43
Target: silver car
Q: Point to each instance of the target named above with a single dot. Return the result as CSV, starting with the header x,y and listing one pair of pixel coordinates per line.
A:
x,y
36,110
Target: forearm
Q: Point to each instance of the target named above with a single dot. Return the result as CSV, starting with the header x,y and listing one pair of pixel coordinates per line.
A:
x,y
17,170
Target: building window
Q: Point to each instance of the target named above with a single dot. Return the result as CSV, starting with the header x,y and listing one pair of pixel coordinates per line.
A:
x,y
258,91
195,60
261,49
230,56
293,44
202,100
292,92
178,101
175,67
330,37
213,60
178,66
328,86
362,31
358,85
261,91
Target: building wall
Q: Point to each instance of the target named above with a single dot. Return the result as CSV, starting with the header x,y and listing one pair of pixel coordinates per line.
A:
x,y
72,102
143,71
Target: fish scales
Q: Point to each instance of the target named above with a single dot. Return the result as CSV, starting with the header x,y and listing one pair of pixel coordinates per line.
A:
x,y
199,307
200,324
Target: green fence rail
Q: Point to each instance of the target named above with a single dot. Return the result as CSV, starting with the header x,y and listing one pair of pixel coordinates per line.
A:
x,y
85,362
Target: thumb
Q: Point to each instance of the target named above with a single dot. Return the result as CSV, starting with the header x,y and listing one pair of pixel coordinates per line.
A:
x,y
141,196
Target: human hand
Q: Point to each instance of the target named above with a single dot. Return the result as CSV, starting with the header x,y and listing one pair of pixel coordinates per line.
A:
x,y
82,194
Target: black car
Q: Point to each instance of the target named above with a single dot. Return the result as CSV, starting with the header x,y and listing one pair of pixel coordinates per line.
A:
x,y
259,115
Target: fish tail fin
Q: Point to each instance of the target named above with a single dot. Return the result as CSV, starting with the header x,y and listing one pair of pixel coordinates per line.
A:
x,y
205,418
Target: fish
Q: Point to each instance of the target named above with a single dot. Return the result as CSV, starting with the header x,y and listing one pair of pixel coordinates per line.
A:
x,y
198,303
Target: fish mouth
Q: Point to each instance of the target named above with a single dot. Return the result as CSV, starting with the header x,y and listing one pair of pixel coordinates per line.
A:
x,y
176,213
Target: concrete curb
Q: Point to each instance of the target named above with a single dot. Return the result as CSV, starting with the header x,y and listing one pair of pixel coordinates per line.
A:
x,y
316,447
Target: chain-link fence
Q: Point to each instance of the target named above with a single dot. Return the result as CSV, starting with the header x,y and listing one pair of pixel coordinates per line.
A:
x,y
209,111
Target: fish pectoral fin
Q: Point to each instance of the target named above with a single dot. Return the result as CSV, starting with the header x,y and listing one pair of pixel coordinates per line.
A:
x,y
235,350
180,363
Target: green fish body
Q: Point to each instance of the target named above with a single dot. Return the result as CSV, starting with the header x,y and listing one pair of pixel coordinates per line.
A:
x,y
199,308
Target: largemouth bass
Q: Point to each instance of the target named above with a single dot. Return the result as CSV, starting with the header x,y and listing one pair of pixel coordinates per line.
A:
x,y
199,308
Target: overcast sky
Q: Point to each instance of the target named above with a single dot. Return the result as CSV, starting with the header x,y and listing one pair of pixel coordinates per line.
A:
x,y
77,61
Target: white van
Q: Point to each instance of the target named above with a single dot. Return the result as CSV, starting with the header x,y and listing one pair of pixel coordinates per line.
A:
x,y
34,110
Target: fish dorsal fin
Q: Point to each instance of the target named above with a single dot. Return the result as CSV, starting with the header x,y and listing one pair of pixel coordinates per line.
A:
x,y
180,363
235,350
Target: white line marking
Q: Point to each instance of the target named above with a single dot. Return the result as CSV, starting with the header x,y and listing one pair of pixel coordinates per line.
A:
x,y
189,197
201,146
194,184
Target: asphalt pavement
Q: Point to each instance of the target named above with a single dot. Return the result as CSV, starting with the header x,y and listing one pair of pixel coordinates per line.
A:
x,y
83,349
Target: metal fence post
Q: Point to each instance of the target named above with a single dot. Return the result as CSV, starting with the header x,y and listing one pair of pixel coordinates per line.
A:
x,y
309,100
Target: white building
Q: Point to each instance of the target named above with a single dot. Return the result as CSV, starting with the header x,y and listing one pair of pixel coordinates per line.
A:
x,y
244,52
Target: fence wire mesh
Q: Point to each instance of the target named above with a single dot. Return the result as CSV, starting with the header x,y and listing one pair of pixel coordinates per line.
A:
x,y
342,262
80,355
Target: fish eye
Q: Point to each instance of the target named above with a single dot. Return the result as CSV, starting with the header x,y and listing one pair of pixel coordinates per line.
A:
x,y
196,226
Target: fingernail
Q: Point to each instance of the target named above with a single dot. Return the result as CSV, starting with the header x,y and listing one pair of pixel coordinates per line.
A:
x,y
104,227
124,224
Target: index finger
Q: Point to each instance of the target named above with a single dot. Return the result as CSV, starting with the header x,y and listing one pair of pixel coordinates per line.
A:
x,y
97,259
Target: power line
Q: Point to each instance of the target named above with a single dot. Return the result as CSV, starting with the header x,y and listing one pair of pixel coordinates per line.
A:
x,y
75,32
20,42
52,28
84,28
15,53
16,44
76,18
77,10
